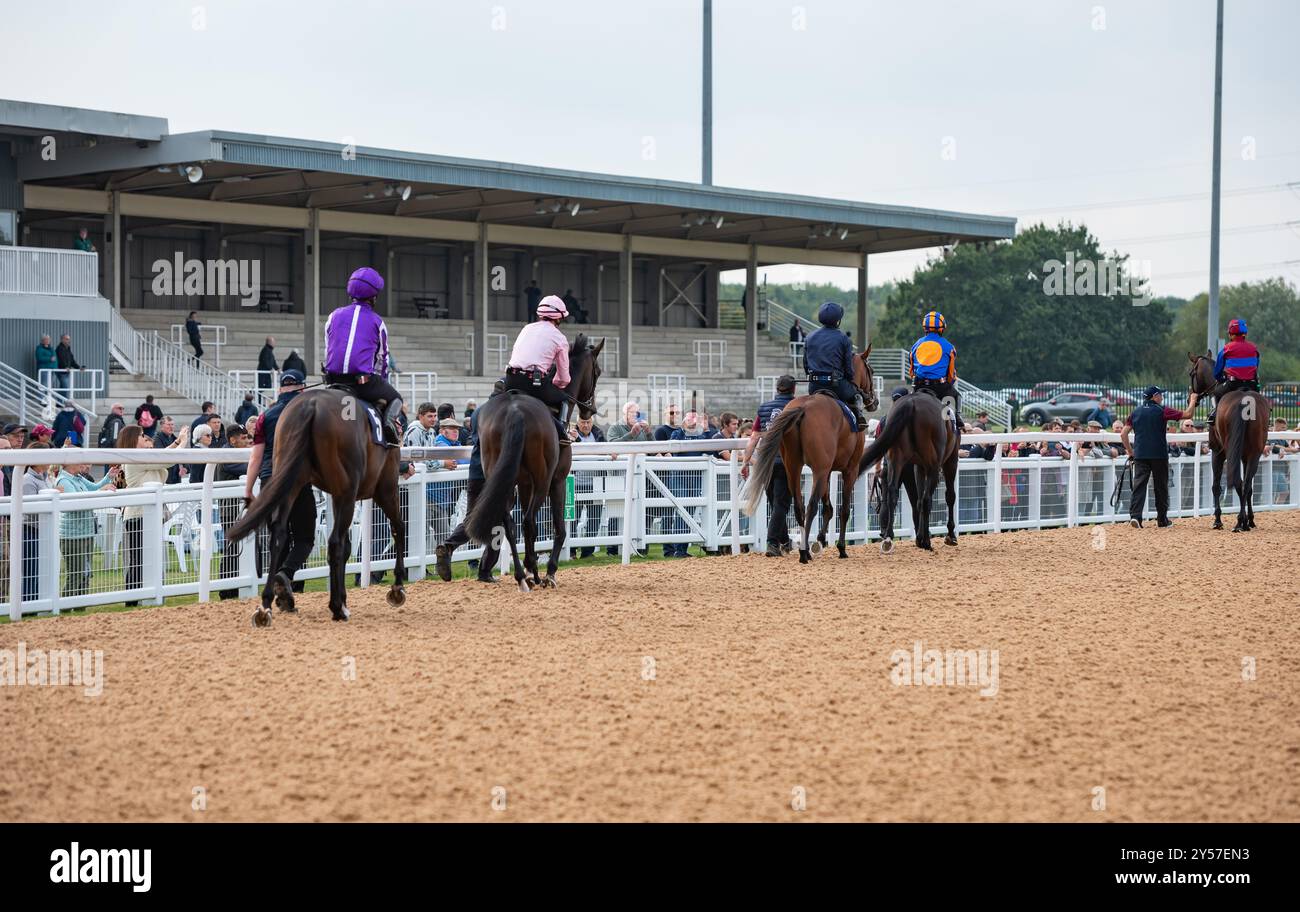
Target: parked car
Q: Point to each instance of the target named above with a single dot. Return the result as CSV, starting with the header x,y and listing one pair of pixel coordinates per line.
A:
x,y
1049,388
1066,406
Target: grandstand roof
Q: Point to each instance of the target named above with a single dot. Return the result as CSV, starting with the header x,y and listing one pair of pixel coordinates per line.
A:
x,y
297,173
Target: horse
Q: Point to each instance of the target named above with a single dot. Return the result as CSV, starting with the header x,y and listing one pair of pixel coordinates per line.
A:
x,y
324,438
812,430
918,435
1241,418
517,442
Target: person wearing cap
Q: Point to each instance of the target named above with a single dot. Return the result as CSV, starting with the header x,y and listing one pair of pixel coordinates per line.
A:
x,y
932,364
302,514
828,361
778,490
539,361
113,425
42,434
356,350
1237,366
1149,453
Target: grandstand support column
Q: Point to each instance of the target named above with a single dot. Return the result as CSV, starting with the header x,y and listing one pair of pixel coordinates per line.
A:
x,y
482,273
864,333
751,313
625,308
311,352
389,256
112,250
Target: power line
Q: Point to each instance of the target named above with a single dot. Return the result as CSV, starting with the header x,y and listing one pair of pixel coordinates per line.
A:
x,y
1244,229
1156,200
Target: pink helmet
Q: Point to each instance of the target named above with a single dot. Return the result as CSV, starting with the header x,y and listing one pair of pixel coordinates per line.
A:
x,y
552,308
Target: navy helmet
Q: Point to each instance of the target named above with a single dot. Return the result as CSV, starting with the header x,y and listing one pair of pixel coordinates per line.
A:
x,y
830,314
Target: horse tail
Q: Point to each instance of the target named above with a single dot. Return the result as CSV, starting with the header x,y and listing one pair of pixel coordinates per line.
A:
x,y
897,423
291,438
769,448
1236,446
498,494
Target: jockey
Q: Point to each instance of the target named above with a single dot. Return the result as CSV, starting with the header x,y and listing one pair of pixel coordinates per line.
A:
x,y
828,361
1237,366
356,350
539,362
933,364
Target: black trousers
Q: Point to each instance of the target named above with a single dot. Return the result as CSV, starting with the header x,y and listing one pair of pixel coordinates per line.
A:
x,y
1157,472
844,391
302,537
198,348
459,536
944,390
545,391
133,544
778,507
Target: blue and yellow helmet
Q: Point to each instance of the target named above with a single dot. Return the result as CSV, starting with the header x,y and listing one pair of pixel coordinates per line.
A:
x,y
934,322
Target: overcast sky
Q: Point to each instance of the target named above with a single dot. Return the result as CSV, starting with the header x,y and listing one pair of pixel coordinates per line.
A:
x,y
1042,109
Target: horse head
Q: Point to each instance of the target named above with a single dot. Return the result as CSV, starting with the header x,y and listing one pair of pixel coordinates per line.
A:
x,y
865,380
584,371
1201,372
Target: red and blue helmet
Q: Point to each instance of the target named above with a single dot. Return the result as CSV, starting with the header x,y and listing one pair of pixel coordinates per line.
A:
x,y
934,322
365,284
1237,326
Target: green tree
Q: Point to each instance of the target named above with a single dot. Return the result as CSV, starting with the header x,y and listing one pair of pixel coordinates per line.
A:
x,y
1012,328
1270,307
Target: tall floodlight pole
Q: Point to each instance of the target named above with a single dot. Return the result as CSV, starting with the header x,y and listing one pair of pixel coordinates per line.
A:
x,y
1212,316
706,139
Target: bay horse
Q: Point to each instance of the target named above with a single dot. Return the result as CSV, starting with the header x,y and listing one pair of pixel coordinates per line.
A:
x,y
920,441
520,452
325,438
812,430
1238,438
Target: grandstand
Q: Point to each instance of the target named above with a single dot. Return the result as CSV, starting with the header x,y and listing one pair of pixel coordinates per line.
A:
x,y
457,240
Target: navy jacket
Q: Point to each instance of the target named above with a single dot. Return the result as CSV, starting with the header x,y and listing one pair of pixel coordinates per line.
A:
x,y
828,351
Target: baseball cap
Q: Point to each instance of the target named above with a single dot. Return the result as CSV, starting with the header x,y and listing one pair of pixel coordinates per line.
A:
x,y
1152,391
10,428
42,430
292,377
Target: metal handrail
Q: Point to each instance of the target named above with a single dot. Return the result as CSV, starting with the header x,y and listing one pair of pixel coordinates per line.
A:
x,y
72,387
26,398
43,270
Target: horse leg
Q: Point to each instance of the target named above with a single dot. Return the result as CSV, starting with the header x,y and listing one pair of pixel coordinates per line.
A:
x,y
846,501
560,529
529,517
520,576
889,503
340,546
1252,467
1217,460
925,483
279,546
815,496
389,501
794,481
950,497
827,513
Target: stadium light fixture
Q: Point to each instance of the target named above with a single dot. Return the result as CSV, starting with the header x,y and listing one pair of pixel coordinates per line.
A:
x,y
193,173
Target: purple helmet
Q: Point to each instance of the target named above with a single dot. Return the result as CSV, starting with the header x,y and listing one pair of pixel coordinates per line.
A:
x,y
364,284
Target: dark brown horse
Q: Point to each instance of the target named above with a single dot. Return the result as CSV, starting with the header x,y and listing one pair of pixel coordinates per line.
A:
x,y
325,438
920,441
813,431
521,453
1238,439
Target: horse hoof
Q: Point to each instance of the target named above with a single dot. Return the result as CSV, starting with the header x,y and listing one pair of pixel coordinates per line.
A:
x,y
815,548
550,583
844,555
523,586
1217,525
397,596
490,580
950,540
804,556
341,614
261,618
886,545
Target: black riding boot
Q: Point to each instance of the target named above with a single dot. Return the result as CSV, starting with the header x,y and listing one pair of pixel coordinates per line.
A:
x,y
392,433
860,412
563,431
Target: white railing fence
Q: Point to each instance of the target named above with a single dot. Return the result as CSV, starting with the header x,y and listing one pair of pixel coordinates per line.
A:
x,y
974,400
176,369
211,335
30,400
710,355
40,270
422,384
78,550
264,385
84,385
496,351
123,340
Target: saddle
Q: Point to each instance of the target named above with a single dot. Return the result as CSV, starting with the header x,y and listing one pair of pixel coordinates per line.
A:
x,y
848,412
373,412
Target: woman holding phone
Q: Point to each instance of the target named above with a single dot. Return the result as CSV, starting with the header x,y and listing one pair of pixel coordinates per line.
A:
x,y
137,476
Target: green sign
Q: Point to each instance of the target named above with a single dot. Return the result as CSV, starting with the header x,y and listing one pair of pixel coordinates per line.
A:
x,y
570,514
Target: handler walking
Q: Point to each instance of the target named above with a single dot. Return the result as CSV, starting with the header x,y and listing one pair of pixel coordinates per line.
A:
x,y
1150,454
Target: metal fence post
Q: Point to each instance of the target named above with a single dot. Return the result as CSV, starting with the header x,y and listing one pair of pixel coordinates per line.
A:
x,y
153,562
207,534
417,522
630,500
995,491
733,488
48,536
367,543
1072,488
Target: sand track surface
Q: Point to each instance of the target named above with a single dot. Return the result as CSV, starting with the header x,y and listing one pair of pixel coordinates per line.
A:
x,y
723,688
